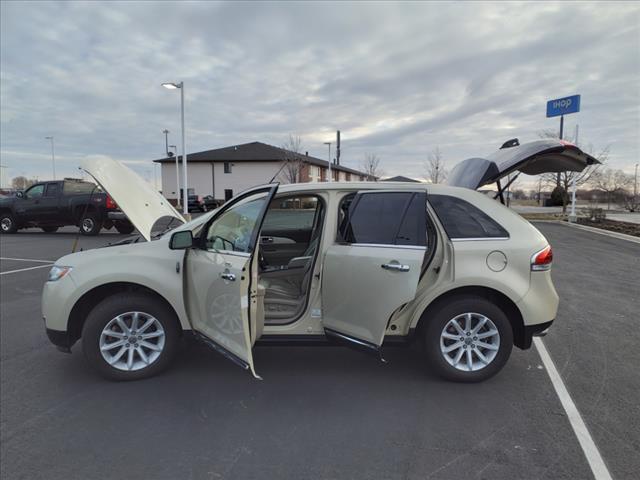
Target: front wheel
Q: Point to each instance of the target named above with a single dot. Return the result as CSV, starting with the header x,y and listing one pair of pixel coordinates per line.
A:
x,y
130,336
7,223
468,339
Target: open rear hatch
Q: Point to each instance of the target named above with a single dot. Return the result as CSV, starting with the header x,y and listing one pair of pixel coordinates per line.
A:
x,y
532,158
140,202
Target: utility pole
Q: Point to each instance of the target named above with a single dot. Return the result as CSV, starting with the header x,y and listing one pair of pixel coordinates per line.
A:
x,y
561,137
338,147
635,185
330,177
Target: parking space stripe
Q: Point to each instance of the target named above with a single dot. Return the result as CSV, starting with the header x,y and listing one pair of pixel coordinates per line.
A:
x,y
26,260
25,269
591,452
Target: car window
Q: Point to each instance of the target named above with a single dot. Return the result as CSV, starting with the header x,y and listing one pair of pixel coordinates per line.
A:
x,y
35,192
52,190
413,229
461,219
387,218
233,229
78,188
291,213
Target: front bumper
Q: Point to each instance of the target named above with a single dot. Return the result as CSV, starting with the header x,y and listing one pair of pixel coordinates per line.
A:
x,y
60,339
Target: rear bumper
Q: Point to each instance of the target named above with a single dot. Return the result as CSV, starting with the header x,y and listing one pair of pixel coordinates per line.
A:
x,y
117,216
530,331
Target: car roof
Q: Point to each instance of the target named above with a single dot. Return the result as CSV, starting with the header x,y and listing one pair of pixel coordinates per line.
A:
x,y
357,186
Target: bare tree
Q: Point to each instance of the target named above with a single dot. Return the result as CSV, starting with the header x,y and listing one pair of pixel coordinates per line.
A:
x,y
293,159
371,166
611,181
436,171
21,182
565,180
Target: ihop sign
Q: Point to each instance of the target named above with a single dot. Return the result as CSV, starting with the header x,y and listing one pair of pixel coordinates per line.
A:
x,y
563,106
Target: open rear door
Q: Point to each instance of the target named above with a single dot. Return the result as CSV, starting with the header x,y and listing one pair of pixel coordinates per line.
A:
x,y
374,267
221,281
532,158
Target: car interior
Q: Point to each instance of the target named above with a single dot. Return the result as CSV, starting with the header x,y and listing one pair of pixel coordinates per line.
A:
x,y
289,243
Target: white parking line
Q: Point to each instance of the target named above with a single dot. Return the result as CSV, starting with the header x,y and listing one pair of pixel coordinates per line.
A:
x,y
25,269
26,260
598,467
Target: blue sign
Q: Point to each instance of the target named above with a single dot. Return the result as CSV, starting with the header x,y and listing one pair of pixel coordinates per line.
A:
x,y
563,106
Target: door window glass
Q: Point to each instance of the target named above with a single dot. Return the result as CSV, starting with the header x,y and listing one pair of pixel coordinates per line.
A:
x,y
35,192
461,219
233,229
78,188
376,217
413,230
52,190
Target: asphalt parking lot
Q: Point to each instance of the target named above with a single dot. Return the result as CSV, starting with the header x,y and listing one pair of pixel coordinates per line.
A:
x,y
327,412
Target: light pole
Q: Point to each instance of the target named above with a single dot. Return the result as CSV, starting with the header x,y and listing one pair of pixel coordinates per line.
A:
x,y
635,184
330,178
173,86
53,156
175,149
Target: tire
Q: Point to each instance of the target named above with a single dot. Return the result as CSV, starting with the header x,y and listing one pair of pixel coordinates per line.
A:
x,y
124,228
49,229
90,224
103,318
7,223
441,335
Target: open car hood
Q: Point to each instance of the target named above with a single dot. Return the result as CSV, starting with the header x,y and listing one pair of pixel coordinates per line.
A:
x,y
140,202
532,158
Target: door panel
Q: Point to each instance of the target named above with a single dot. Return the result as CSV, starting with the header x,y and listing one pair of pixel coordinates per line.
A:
x,y
218,304
363,285
221,283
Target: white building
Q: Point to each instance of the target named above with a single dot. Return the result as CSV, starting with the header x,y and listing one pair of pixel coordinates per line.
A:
x,y
224,172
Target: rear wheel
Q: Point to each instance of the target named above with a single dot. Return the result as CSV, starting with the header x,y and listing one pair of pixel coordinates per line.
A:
x,y
124,227
49,229
90,225
130,337
468,339
7,223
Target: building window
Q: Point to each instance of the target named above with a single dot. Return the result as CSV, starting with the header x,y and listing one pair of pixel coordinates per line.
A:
x,y
228,194
227,167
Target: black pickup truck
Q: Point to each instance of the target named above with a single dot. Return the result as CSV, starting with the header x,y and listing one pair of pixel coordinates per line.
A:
x,y
50,205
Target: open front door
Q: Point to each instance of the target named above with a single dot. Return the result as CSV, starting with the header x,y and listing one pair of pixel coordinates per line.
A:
x,y
221,285
375,265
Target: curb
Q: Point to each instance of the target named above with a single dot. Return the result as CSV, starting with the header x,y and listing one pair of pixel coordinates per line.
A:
x,y
600,231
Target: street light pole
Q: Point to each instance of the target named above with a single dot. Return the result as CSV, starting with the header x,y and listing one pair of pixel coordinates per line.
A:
x,y
53,156
175,149
185,206
635,184
330,177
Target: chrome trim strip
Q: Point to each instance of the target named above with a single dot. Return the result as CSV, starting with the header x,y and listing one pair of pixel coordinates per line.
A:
x,y
479,239
384,245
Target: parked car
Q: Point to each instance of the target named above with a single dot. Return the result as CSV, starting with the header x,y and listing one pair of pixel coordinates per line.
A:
x,y
211,203
364,264
51,205
196,203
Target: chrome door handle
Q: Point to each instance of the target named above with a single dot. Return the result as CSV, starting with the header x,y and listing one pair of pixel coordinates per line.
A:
x,y
228,276
396,267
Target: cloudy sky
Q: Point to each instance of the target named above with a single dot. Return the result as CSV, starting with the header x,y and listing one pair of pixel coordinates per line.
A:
x,y
397,79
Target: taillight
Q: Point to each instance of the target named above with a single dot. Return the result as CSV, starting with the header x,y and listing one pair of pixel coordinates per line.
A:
x,y
542,260
111,205
199,199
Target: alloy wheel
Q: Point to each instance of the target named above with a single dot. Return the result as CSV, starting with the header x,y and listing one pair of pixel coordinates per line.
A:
x,y
132,341
88,224
469,342
6,224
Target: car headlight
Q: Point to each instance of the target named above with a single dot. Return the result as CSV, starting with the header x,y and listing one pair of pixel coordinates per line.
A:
x,y
57,272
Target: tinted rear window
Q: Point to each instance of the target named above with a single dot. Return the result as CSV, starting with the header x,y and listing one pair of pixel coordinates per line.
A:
x,y
461,219
77,188
385,218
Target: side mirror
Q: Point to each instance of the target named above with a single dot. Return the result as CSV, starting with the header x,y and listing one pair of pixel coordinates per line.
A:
x,y
181,240
20,194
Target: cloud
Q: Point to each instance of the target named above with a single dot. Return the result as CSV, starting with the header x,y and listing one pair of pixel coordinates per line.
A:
x,y
396,79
